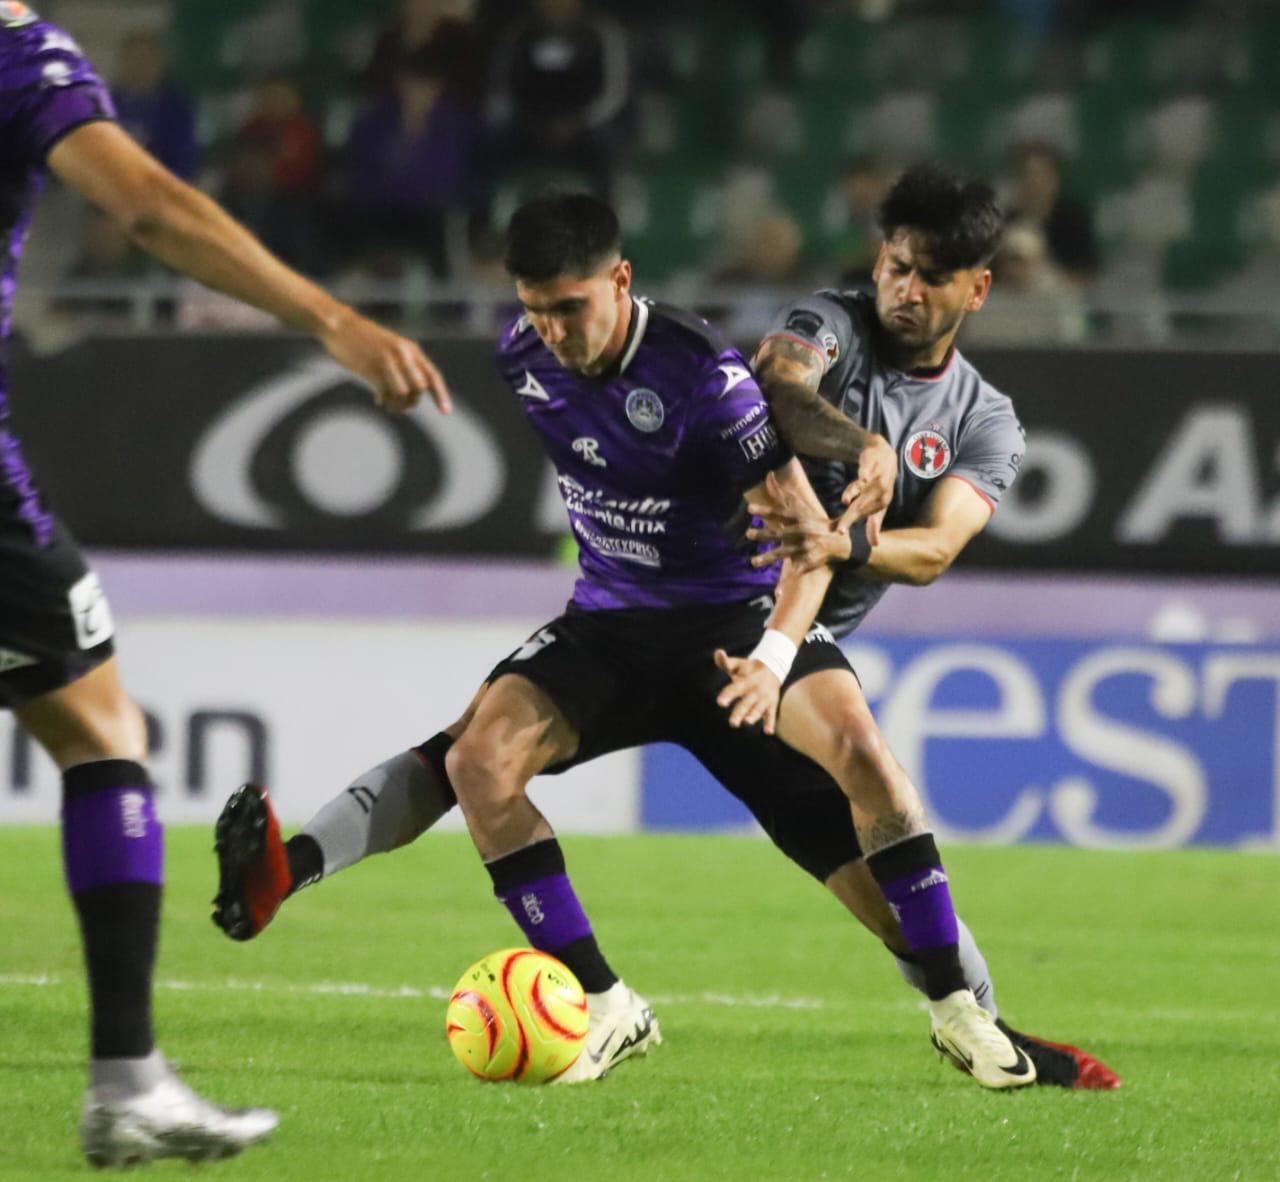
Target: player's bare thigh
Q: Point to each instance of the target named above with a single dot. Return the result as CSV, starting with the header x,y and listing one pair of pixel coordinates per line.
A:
x,y
92,718
826,717
514,732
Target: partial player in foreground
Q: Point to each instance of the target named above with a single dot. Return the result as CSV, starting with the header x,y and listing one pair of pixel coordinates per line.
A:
x,y
58,673
839,364
656,429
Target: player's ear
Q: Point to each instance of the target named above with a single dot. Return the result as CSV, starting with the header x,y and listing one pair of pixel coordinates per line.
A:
x,y
978,293
880,257
621,276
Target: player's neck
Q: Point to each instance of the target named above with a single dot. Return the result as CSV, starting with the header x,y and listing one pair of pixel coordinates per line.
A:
x,y
617,340
929,360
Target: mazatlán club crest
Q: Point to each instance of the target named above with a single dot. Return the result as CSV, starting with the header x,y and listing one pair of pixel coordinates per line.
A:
x,y
645,411
927,454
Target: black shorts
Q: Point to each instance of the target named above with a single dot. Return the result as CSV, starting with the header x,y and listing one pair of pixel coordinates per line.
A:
x,y
55,625
646,675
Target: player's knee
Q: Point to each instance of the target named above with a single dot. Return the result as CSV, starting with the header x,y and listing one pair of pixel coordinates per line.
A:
x,y
478,771
111,729
860,747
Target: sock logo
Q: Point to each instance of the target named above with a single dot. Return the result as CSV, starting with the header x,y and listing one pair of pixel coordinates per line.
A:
x,y
532,908
133,814
934,878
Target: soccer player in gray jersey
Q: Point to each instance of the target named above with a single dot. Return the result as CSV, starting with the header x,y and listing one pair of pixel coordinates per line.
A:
x,y
657,431
838,366
57,670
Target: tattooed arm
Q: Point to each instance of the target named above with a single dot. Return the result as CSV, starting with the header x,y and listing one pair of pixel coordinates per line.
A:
x,y
790,373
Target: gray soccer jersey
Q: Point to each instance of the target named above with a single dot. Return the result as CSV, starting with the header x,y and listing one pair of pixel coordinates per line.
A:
x,y
951,424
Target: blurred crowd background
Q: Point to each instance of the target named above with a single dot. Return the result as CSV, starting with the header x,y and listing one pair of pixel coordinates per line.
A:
x,y
381,145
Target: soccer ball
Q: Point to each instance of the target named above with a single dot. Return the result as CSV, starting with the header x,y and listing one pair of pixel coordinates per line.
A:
x,y
517,1014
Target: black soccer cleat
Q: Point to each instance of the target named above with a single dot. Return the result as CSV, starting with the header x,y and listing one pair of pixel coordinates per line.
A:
x,y
253,869
1063,1066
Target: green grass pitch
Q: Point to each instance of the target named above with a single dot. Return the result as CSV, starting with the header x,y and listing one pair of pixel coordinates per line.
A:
x,y
793,1050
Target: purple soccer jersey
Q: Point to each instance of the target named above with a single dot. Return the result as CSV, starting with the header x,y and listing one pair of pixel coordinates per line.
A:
x,y
47,89
652,458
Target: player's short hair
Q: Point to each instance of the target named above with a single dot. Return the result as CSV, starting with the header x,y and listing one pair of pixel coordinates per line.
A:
x,y
561,234
960,217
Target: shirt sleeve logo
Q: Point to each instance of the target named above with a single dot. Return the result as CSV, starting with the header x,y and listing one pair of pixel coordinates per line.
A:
x,y
761,441
645,411
532,388
927,454
804,323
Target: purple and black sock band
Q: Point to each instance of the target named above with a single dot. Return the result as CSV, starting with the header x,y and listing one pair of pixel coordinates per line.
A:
x,y
536,890
110,831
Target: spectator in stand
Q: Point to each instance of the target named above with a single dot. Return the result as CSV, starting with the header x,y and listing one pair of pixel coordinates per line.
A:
x,y
784,27
561,87
273,177
763,258
151,108
1067,224
864,184
409,166
1031,301
445,27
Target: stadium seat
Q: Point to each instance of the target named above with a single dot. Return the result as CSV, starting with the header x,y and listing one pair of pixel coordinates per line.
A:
x,y
668,221
1219,195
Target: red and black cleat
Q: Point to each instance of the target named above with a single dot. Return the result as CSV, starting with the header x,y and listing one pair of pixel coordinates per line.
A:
x,y
1063,1066
253,869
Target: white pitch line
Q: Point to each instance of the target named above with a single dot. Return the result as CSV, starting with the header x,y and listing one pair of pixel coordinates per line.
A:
x,y
410,992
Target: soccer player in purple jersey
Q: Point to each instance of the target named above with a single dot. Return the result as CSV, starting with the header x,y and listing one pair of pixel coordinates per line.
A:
x,y
57,670
657,431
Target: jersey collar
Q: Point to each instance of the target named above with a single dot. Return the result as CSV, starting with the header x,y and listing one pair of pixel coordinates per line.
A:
x,y
630,346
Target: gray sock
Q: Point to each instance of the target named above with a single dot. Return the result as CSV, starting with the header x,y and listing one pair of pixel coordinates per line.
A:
x,y
113,1080
976,973
387,807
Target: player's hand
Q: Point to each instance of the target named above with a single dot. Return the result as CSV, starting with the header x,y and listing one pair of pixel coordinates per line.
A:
x,y
397,370
752,693
810,542
872,493
809,539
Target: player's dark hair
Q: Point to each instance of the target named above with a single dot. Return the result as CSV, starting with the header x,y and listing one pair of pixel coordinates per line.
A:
x,y
960,218
561,234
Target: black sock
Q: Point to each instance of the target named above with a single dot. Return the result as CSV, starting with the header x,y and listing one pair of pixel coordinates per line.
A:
x,y
113,856
120,927
306,861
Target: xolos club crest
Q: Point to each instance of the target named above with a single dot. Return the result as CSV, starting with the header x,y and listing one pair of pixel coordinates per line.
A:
x,y
927,454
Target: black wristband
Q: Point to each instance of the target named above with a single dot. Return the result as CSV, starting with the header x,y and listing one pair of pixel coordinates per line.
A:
x,y
859,546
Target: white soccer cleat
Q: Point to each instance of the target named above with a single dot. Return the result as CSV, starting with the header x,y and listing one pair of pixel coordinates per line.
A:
x,y
620,1024
967,1035
167,1120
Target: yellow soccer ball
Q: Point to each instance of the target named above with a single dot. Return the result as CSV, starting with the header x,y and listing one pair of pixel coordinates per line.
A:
x,y
518,1014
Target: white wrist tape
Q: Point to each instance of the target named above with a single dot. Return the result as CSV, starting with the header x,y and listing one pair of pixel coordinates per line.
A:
x,y
775,652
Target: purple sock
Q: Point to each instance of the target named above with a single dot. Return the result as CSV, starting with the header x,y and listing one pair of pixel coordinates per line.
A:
x,y
111,835
113,856
922,902
911,876
534,887
548,912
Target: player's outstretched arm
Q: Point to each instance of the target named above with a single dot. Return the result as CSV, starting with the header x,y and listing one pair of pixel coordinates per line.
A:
x,y
790,374
182,227
950,519
755,682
